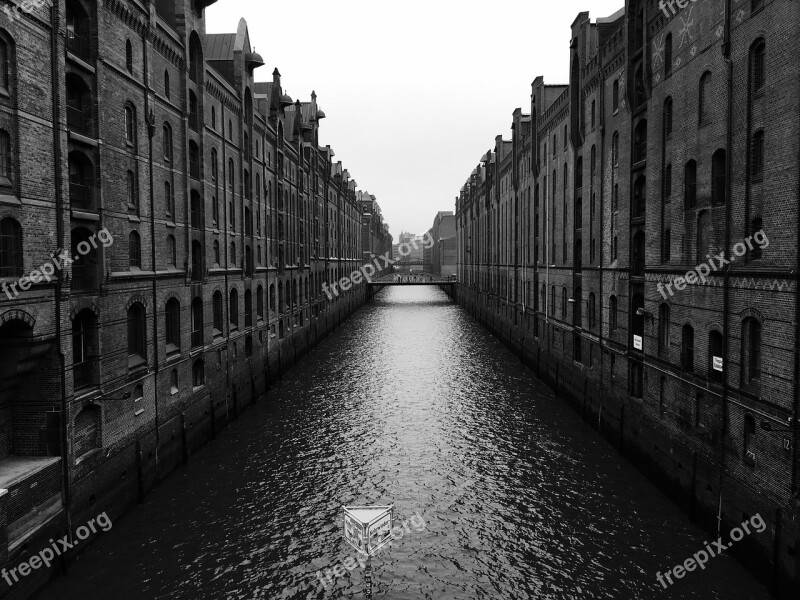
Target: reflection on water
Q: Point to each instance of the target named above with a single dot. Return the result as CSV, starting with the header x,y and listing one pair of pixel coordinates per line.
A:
x,y
411,403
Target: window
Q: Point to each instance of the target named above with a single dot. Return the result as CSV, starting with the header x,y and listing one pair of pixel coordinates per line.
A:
x,y
552,300
129,56
248,308
130,125
612,313
84,349
640,141
198,374
592,310
260,303
231,171
615,149
234,308
197,323
668,56
172,254
172,315
216,253
167,142
137,353
10,248
704,96
687,348
167,90
218,315
690,184
196,210
134,250
757,155
751,351
666,246
757,53
663,327
195,59
718,179
592,114
194,160
4,65
169,200
639,197
232,257
564,303
214,165
198,259
667,117
133,195
5,158
615,95
194,112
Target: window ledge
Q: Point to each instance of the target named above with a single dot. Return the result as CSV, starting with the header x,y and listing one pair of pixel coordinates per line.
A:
x,y
9,199
86,456
138,412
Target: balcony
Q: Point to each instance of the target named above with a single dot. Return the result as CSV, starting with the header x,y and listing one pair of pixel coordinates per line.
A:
x,y
78,121
79,46
81,197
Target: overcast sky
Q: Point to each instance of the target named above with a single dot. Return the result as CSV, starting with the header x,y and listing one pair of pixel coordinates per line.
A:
x,y
415,92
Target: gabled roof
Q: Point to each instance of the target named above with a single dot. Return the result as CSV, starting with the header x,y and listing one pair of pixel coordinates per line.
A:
x,y
220,46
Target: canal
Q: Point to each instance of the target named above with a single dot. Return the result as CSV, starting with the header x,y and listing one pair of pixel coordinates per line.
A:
x,y
509,495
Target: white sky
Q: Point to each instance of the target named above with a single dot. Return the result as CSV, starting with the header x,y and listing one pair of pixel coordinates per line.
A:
x,y
414,92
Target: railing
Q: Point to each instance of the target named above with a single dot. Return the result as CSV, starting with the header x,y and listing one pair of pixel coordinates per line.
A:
x,y
78,120
79,46
81,196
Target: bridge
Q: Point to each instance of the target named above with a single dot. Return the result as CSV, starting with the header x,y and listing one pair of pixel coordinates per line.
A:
x,y
403,279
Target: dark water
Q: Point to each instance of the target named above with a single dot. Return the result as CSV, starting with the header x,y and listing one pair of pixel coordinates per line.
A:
x,y
411,403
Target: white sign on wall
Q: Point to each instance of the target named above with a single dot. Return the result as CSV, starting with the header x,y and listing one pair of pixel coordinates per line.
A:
x,y
637,342
717,363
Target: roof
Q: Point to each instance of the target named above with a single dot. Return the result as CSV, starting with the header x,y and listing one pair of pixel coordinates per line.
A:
x,y
220,46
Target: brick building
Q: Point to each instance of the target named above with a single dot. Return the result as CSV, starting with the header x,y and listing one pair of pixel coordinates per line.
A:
x,y
205,218
676,138
439,255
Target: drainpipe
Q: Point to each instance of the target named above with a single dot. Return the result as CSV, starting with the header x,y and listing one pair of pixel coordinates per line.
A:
x,y
151,131
726,52
55,24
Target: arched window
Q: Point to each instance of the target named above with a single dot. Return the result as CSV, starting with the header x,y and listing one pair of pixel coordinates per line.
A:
x,y
703,236
169,200
564,303
640,141
218,314
10,248
757,155
137,353
6,168
216,253
194,112
667,184
129,56
195,59
690,184
615,95
234,308
668,55
84,349
167,90
214,117
134,250
592,114
663,327
214,165
197,323
5,59
248,308
272,300
172,252
260,303
166,142
198,373
194,160
639,197
280,296
84,269
751,351
130,125
592,310
703,98
172,315
132,192
757,73
231,173
687,348
196,210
